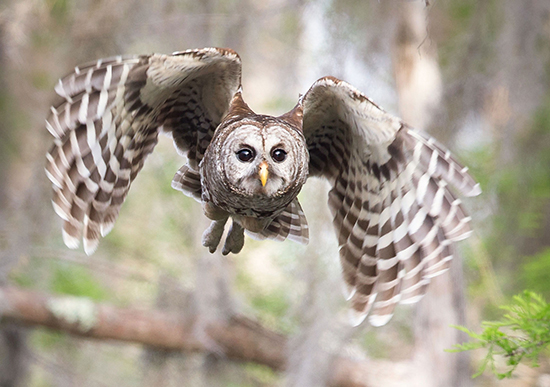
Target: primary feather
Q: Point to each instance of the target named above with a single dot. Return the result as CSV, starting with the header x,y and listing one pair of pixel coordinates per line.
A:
x,y
108,120
394,214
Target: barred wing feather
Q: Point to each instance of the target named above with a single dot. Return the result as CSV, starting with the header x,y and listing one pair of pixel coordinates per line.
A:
x,y
394,215
107,122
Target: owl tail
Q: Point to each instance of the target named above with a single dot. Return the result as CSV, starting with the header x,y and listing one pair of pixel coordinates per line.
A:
x,y
290,224
188,181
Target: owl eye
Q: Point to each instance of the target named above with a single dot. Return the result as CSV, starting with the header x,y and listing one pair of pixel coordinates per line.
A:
x,y
245,155
278,155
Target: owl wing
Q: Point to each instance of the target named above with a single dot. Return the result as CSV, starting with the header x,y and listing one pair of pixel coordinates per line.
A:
x,y
107,121
394,215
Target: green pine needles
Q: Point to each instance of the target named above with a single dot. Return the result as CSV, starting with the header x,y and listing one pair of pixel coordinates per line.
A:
x,y
522,333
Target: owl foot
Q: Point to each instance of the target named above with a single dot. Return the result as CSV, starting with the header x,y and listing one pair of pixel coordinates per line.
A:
x,y
234,241
213,234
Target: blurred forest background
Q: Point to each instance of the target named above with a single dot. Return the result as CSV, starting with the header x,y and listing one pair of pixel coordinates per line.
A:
x,y
474,73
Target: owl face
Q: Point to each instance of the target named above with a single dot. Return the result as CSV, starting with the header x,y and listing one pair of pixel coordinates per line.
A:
x,y
263,159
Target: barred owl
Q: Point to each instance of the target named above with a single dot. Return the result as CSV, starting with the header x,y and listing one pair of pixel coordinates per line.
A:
x,y
395,217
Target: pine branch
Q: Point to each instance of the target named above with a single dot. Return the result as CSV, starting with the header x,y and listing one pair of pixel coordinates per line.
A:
x,y
522,333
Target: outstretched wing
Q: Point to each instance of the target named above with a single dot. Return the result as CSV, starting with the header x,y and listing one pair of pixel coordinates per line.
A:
x,y
108,119
394,215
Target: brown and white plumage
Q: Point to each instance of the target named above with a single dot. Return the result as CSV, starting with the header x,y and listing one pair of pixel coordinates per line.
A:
x,y
394,215
108,120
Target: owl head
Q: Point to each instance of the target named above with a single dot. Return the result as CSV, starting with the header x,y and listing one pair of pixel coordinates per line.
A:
x,y
257,156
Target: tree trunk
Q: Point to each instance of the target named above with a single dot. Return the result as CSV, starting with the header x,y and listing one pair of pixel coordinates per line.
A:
x,y
12,338
418,83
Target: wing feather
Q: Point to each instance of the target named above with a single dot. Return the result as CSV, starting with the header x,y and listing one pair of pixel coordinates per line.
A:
x,y
107,121
394,213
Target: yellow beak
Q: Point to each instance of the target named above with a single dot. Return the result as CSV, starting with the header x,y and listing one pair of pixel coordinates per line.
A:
x,y
263,173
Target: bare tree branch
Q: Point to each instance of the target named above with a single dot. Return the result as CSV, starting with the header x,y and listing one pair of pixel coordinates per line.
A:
x,y
240,338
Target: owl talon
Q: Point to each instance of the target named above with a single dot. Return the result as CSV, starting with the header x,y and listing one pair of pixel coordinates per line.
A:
x,y
213,234
235,239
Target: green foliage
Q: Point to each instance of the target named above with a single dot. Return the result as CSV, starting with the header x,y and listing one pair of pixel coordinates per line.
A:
x,y
462,11
59,9
46,339
520,189
261,373
10,146
395,341
21,278
41,79
467,18
535,272
77,281
269,298
272,305
377,348
522,333
271,308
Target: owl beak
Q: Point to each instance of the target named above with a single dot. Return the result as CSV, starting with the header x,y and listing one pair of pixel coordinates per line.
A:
x,y
263,173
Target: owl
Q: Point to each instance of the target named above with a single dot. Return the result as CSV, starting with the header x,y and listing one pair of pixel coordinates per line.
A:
x,y
394,215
